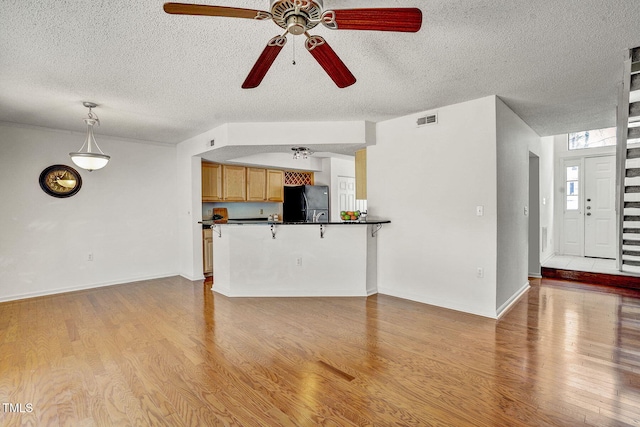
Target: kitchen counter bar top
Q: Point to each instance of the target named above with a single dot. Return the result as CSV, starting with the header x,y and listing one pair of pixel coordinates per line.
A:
x,y
266,222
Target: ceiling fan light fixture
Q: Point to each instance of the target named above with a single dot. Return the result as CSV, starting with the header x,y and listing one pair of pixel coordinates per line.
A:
x,y
297,17
90,156
301,152
296,25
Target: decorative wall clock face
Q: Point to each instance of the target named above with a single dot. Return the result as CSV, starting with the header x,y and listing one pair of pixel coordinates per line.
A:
x,y
60,181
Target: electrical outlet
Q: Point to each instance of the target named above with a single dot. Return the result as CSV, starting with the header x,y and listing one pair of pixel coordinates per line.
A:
x,y
479,210
299,262
90,256
480,272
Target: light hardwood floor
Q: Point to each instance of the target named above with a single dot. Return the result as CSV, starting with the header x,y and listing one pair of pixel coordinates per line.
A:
x,y
171,352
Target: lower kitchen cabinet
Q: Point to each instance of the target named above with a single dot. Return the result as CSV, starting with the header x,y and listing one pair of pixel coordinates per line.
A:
x,y
207,251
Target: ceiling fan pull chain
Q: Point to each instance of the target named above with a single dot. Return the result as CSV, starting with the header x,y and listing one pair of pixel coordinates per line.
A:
x,y
294,51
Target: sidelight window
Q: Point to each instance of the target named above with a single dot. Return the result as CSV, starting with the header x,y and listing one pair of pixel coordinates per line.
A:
x,y
573,188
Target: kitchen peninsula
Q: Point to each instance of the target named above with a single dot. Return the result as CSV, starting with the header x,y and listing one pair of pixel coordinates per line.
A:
x,y
295,259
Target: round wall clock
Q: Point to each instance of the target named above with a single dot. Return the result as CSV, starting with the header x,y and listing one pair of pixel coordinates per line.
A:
x,y
60,181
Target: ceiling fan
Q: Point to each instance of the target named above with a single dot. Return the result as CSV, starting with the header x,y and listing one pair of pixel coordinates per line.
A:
x,y
297,17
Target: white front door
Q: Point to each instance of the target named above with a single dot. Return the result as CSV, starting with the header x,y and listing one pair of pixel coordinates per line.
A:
x,y
589,220
599,211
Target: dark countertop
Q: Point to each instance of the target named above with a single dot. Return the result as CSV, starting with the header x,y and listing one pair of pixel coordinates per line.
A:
x,y
266,222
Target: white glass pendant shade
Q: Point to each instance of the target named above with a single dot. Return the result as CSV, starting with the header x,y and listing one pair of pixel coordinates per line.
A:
x,y
90,156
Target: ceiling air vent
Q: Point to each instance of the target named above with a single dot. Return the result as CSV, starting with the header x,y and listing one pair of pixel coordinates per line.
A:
x,y
427,120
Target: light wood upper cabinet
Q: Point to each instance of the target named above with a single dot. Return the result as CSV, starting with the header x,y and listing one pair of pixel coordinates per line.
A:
x,y
230,183
234,183
211,182
256,185
275,185
361,174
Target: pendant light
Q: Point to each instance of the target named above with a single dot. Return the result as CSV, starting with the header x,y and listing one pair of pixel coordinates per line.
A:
x,y
90,156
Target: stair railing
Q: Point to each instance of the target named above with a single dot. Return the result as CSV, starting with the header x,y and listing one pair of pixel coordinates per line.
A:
x,y
621,151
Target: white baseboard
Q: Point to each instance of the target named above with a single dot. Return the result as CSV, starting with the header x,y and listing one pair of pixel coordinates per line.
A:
x,y
222,291
193,278
437,302
511,301
27,295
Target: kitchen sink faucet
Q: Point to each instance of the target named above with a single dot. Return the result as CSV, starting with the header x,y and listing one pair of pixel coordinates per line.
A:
x,y
316,216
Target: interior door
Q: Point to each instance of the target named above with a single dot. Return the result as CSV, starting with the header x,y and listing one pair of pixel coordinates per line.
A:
x,y
599,211
347,193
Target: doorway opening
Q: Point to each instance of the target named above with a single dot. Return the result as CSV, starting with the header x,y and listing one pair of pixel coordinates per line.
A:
x,y
534,216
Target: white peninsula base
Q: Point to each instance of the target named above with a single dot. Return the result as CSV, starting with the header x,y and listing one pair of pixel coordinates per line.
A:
x,y
298,262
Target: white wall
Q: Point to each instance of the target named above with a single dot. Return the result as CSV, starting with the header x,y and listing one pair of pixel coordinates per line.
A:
x,y
547,202
190,199
514,140
124,214
428,181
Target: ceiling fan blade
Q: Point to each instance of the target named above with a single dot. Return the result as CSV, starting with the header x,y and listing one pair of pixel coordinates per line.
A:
x,y
264,62
205,10
329,60
407,20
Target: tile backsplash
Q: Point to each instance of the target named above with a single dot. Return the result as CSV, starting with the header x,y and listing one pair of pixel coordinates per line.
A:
x,y
241,210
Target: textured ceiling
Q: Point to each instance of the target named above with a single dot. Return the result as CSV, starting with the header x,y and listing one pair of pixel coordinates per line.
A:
x,y
166,78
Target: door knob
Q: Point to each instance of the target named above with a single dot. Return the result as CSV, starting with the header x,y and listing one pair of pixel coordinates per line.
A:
x,y
588,207
588,200
588,213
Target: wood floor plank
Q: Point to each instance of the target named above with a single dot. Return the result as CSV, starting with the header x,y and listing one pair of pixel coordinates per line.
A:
x,y
171,352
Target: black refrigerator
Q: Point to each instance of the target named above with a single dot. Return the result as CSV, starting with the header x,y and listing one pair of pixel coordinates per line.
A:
x,y
306,203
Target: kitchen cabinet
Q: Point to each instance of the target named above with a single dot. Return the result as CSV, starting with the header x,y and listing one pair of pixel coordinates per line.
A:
x,y
361,174
207,251
275,185
256,185
234,183
211,182
231,183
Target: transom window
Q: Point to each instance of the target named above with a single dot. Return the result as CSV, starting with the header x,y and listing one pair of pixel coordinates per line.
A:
x,y
592,138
